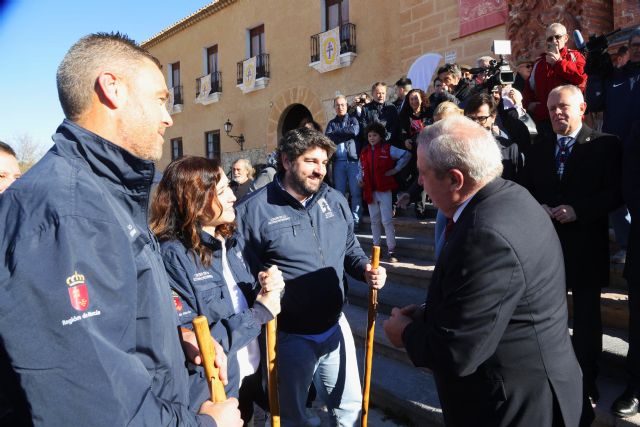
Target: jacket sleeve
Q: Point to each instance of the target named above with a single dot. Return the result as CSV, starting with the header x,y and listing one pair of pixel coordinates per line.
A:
x,y
355,260
402,158
481,289
82,363
571,69
342,134
595,95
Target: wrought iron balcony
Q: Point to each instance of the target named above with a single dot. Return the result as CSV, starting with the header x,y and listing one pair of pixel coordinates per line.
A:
x,y
211,81
262,67
347,41
177,95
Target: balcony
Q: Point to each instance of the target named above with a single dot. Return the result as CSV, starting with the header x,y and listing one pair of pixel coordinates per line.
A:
x,y
209,88
260,77
347,48
175,100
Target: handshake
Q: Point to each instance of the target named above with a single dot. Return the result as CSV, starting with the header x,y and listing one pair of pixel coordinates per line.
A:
x,y
272,290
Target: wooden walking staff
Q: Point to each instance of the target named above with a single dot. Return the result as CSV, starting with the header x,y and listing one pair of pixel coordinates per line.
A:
x,y
371,326
272,373
208,353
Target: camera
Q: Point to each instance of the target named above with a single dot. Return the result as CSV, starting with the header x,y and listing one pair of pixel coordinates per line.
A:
x,y
598,60
498,72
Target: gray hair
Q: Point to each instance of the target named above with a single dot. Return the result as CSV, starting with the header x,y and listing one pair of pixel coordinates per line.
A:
x,y
339,97
573,90
556,25
480,62
459,143
86,59
247,166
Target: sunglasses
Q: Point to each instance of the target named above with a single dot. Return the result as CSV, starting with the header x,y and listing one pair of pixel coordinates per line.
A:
x,y
479,119
557,37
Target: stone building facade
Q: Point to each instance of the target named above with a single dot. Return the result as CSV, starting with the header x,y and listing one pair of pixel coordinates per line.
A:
x,y
383,38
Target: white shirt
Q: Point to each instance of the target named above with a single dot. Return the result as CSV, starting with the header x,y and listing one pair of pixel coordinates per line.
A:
x,y
249,355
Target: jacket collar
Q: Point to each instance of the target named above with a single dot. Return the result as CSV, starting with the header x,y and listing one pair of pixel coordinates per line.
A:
x,y
107,160
490,188
284,195
215,244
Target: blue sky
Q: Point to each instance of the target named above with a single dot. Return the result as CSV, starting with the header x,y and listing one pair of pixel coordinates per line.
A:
x,y
35,35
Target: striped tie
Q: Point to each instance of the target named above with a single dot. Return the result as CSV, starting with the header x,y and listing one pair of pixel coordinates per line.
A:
x,y
564,144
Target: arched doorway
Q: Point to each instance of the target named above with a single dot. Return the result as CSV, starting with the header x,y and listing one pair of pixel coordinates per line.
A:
x,y
292,117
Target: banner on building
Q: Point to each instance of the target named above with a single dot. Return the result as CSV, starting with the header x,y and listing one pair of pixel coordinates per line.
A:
x,y
478,15
205,86
330,50
249,73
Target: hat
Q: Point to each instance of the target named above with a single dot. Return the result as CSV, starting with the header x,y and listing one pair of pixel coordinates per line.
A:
x,y
465,67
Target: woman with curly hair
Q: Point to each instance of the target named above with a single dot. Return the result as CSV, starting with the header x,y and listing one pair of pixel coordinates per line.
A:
x,y
193,217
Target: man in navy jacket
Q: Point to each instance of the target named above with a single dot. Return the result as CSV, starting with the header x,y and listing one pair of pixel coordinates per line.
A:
x,y
88,331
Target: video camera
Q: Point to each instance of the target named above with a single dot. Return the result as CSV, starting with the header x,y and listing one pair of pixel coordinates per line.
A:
x,y
598,60
498,72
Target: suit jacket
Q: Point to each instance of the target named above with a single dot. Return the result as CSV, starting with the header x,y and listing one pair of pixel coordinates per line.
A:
x,y
591,184
495,331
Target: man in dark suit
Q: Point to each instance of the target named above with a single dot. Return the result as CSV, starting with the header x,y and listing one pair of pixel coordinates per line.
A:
x,y
575,176
494,327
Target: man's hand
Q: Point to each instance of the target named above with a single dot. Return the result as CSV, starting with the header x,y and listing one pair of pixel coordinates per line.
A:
x,y
414,311
224,413
192,352
394,326
408,144
375,277
403,200
548,210
552,57
564,214
516,97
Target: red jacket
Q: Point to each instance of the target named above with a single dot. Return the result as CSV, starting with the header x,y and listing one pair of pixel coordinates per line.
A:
x,y
568,70
375,161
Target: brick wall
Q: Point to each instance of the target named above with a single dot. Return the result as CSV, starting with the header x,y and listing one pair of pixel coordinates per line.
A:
x,y
433,26
626,13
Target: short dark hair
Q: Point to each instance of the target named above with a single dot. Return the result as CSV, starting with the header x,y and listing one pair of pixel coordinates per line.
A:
x,y
404,81
376,127
77,73
6,148
296,142
477,100
450,69
437,79
623,49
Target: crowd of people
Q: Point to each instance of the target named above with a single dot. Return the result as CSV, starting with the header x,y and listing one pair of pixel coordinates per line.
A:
x,y
122,271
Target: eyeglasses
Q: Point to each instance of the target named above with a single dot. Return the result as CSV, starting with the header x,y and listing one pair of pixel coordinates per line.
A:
x,y
556,36
479,119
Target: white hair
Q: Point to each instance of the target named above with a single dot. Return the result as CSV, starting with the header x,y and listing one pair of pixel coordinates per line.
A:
x,y
573,90
459,143
557,26
480,62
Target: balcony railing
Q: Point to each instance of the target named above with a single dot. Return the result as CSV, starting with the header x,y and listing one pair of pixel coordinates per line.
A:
x,y
262,67
215,83
177,95
347,41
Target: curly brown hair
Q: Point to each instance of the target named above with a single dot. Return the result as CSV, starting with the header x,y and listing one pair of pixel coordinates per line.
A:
x,y
183,203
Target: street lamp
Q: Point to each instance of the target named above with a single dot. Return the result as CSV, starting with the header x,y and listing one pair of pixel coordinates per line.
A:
x,y
228,126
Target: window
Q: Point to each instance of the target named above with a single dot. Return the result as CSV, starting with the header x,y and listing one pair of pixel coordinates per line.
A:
x,y
336,13
212,59
212,144
174,76
256,37
176,148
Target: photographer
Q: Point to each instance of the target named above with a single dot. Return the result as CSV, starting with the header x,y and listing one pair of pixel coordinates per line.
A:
x,y
615,91
557,66
451,77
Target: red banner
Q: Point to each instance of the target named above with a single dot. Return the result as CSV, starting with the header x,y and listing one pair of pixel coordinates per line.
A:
x,y
478,15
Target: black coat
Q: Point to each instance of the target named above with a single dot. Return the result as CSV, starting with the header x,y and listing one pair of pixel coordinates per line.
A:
x,y
495,326
591,185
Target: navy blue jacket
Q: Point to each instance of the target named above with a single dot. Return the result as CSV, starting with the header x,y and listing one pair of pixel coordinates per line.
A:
x,y
616,95
312,245
86,316
203,290
386,113
344,130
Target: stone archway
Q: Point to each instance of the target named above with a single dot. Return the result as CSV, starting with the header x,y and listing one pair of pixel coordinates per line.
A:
x,y
282,104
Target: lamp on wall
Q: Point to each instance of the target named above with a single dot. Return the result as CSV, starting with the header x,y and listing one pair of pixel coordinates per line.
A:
x,y
228,126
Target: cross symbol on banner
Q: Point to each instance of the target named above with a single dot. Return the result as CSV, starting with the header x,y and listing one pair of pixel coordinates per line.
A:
x,y
329,50
249,73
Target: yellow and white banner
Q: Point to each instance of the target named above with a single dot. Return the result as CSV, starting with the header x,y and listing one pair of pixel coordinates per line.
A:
x,y
330,50
249,73
205,86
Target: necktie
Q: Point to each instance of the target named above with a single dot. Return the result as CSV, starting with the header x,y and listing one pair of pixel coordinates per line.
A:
x,y
449,228
564,144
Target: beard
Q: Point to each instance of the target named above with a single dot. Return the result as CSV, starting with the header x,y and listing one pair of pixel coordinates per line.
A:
x,y
301,185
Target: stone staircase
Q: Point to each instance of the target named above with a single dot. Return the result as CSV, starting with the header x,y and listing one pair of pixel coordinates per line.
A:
x,y
409,393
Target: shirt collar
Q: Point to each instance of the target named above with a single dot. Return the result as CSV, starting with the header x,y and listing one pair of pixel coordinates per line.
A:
x,y
572,135
458,211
